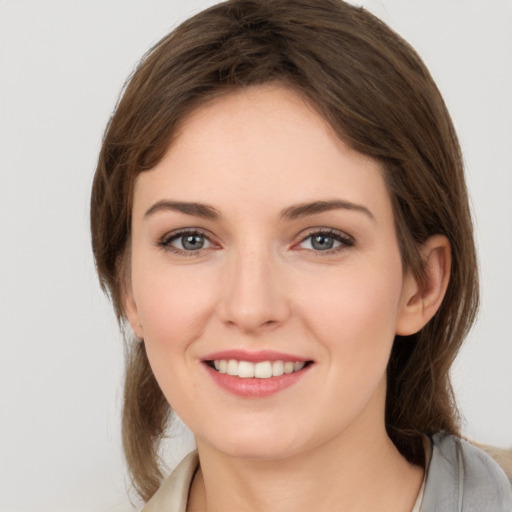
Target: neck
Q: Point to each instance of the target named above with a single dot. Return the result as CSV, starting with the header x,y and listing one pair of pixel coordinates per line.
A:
x,y
355,471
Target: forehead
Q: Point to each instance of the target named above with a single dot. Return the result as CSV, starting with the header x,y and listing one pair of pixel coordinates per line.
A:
x,y
262,145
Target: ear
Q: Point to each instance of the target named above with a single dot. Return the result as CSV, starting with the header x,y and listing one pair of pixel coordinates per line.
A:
x,y
420,301
131,311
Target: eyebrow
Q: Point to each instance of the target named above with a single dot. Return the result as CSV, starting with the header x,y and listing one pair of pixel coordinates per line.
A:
x,y
305,209
291,213
196,209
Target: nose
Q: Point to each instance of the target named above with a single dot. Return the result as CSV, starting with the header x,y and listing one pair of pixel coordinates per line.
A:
x,y
253,296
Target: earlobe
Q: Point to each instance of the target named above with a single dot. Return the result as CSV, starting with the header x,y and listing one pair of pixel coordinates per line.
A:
x,y
420,301
131,312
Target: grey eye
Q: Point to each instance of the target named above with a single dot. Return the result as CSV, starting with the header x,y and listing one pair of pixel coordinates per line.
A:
x,y
190,242
322,242
326,241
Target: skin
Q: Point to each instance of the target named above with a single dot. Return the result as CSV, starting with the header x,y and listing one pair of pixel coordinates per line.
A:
x,y
258,283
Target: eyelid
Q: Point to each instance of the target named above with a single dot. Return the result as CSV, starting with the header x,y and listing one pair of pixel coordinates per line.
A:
x,y
164,242
345,239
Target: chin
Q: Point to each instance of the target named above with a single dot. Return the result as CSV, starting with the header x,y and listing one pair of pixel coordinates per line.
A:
x,y
273,445
260,453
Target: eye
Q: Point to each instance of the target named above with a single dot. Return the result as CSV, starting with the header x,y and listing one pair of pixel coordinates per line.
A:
x,y
326,241
186,242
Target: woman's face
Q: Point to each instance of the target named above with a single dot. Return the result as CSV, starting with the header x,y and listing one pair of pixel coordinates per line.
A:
x,y
263,238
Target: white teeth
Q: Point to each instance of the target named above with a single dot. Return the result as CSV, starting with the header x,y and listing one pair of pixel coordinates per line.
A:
x,y
232,368
277,368
246,370
261,370
298,366
288,367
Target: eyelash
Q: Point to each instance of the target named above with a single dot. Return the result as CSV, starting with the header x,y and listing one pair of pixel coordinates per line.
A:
x,y
345,241
166,241
338,236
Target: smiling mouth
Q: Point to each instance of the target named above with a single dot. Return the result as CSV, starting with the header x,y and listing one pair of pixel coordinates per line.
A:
x,y
259,370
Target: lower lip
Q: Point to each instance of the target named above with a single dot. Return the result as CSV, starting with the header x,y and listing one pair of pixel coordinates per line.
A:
x,y
256,388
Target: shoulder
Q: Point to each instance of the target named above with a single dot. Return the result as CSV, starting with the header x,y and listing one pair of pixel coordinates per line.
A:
x,y
172,495
463,478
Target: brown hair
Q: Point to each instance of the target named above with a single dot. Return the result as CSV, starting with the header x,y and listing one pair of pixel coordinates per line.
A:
x,y
374,90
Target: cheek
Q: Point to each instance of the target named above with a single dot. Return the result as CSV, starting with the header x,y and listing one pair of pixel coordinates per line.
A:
x,y
353,314
353,320
173,301
174,307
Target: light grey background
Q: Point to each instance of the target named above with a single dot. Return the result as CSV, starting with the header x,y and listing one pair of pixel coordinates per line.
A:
x,y
62,65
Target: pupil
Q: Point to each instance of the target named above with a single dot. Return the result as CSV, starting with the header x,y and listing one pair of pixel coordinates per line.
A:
x,y
193,242
322,242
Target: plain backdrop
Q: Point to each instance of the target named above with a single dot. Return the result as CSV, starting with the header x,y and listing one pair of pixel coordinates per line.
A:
x,y
62,65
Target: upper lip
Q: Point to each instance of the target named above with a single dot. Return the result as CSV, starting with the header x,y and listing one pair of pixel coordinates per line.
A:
x,y
254,357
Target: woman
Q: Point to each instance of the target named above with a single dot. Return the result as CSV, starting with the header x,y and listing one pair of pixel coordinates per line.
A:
x,y
280,214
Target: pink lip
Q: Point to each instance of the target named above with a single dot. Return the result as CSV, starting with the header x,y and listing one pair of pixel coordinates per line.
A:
x,y
253,387
254,357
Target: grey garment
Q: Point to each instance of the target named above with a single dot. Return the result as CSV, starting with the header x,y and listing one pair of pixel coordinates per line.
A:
x,y
462,478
